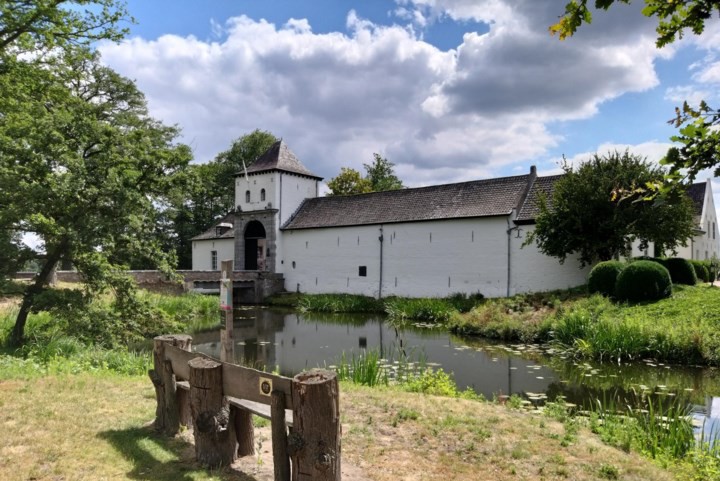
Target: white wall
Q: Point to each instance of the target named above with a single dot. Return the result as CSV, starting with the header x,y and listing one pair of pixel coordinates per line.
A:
x,y
706,245
533,271
295,189
420,259
201,253
255,183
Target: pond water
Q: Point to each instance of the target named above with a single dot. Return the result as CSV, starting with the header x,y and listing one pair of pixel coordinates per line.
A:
x,y
289,342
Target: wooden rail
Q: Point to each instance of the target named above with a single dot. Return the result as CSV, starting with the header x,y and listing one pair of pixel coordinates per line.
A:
x,y
218,398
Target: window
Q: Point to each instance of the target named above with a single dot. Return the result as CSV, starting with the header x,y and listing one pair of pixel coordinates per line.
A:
x,y
247,196
362,271
262,195
213,260
713,230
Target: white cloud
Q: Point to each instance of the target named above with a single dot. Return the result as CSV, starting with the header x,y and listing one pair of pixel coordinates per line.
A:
x,y
338,97
687,93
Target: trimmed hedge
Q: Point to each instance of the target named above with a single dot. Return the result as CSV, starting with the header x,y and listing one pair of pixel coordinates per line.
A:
x,y
701,270
643,281
603,276
681,271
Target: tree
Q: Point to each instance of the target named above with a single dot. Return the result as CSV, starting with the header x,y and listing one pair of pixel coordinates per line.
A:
x,y
83,166
45,24
380,176
349,181
599,208
699,127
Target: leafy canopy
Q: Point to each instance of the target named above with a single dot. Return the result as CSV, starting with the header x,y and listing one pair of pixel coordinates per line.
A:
x,y
380,177
699,127
598,208
44,24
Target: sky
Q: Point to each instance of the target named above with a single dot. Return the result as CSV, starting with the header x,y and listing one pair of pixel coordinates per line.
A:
x,y
448,90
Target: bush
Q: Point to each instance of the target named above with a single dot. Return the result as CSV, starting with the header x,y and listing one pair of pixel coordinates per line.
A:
x,y
603,276
701,270
681,271
712,266
643,281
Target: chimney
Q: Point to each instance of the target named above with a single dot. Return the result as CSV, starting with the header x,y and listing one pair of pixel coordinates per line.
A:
x,y
533,171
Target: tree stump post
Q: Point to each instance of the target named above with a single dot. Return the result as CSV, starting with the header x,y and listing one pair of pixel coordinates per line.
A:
x,y
244,431
314,444
281,461
213,426
169,411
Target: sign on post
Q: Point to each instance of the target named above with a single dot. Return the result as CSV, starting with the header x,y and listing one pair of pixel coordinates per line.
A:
x,y
226,292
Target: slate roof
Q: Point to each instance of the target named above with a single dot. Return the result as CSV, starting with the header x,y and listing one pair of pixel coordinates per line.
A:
x,y
543,186
481,198
279,157
697,195
211,233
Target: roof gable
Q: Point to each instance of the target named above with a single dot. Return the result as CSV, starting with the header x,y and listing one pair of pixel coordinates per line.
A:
x,y
279,157
481,198
212,232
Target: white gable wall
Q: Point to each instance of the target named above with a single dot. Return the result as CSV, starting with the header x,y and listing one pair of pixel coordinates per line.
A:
x,y
705,245
202,253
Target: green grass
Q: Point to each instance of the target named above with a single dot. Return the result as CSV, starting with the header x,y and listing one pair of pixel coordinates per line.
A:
x,y
338,303
197,312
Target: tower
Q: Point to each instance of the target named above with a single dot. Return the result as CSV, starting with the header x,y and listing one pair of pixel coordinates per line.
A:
x,y
266,196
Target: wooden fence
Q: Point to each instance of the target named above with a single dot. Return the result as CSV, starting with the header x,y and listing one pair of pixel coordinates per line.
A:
x,y
218,399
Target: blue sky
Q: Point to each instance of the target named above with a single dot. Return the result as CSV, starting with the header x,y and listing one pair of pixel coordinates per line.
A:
x,y
449,90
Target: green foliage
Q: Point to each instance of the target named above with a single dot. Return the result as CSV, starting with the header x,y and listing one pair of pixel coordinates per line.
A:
x,y
47,24
603,276
380,176
599,207
348,181
365,369
339,303
681,271
91,169
643,281
699,137
422,309
701,270
434,382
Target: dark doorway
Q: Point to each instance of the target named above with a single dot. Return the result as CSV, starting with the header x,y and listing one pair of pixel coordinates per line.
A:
x,y
254,246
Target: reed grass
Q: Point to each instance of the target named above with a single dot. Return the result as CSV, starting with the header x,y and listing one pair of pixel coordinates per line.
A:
x,y
339,303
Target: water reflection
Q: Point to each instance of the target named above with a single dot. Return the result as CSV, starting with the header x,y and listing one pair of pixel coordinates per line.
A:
x,y
289,342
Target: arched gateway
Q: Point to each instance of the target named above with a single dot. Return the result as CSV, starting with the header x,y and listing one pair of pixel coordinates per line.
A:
x,y
255,246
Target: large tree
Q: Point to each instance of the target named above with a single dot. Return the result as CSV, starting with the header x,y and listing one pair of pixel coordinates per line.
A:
x,y
598,208
699,126
380,176
82,166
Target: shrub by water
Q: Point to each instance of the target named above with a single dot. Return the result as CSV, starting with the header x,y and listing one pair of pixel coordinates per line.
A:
x,y
644,281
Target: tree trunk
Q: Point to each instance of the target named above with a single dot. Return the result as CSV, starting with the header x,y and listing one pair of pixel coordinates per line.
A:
x,y
314,444
17,337
213,425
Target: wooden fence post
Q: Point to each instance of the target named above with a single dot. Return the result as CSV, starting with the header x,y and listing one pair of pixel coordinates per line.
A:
x,y
314,443
213,428
170,406
281,461
227,344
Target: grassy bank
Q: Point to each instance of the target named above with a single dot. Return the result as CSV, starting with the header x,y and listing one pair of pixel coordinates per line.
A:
x,y
94,426
681,329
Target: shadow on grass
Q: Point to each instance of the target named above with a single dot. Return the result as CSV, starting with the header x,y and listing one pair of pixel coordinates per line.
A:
x,y
161,458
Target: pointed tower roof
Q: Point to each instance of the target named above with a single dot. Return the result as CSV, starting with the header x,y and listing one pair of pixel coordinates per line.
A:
x,y
279,157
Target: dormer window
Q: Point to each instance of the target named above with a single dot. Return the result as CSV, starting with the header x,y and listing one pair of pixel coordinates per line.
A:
x,y
262,195
247,196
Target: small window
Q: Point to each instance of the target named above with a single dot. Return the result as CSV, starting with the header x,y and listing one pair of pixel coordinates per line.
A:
x,y
247,196
362,271
713,230
213,260
262,195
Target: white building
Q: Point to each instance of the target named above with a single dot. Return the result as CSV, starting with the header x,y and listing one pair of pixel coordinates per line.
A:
x,y
421,242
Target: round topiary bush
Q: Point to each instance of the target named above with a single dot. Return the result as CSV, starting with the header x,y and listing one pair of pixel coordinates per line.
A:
x,y
603,276
681,271
701,271
643,281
